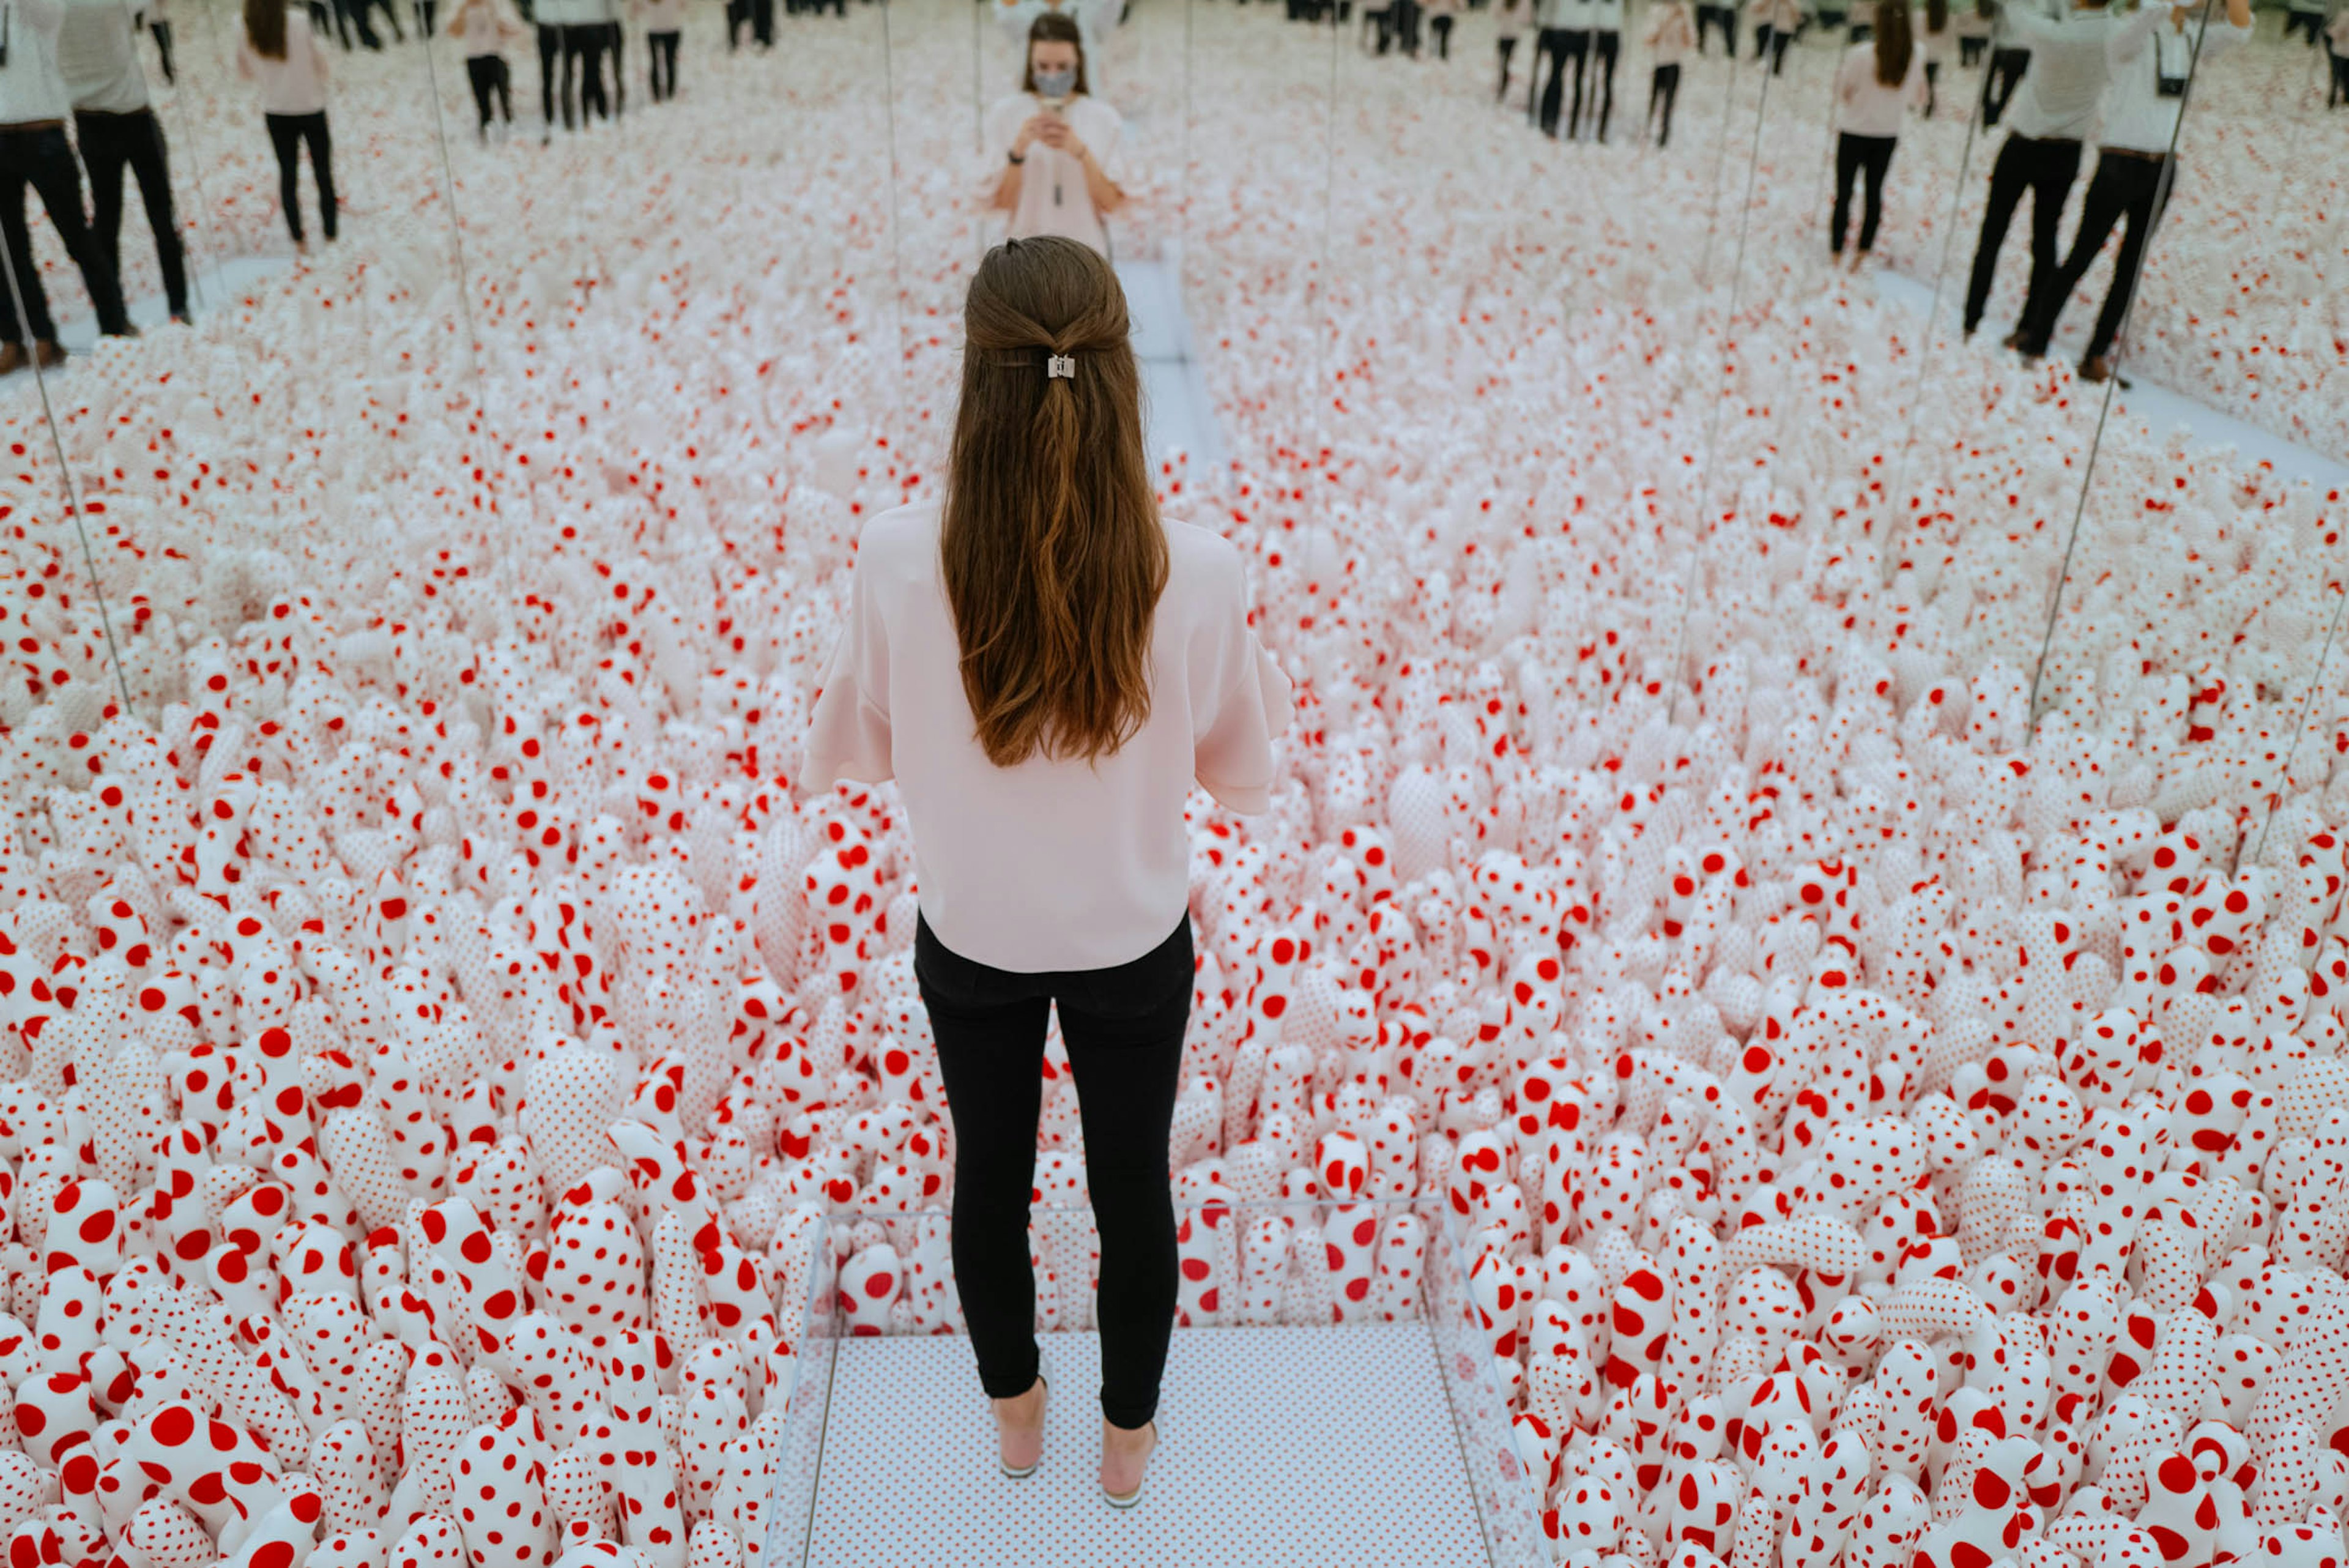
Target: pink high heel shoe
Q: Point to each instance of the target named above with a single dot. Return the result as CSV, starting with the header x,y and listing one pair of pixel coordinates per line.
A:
x,y
1128,1499
1021,1473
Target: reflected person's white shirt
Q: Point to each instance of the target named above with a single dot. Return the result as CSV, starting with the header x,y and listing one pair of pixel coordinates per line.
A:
x,y
2137,118
1054,198
31,88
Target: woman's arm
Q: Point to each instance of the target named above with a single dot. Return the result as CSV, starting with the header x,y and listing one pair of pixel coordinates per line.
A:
x,y
1107,194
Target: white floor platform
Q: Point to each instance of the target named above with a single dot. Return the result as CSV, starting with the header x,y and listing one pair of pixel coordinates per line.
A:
x,y
2160,409
1285,1448
1176,412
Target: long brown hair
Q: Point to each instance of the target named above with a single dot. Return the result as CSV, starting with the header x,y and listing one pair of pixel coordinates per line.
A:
x,y
1053,554
265,27
1893,42
1052,27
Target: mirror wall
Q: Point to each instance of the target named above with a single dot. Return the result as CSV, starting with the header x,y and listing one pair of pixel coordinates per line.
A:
x,y
1939,434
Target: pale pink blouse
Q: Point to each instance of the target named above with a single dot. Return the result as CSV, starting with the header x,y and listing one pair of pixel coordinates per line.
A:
x,y
1048,865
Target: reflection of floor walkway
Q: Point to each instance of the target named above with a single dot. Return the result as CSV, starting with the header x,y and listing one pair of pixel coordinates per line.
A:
x,y
1286,1447
1176,412
2158,409
208,289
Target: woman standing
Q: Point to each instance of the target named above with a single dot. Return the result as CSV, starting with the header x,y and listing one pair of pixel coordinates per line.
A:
x,y
549,17
1441,15
1607,52
664,27
1046,667
1057,143
482,29
1671,36
1878,82
1936,36
279,52
1509,21
1974,28
1775,22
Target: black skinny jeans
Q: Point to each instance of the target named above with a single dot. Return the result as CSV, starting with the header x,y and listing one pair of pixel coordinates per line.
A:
x,y
1662,93
549,49
41,157
1123,1029
2340,88
661,75
1509,51
2127,188
1855,156
1559,44
1722,16
583,72
287,133
492,85
1606,48
1769,41
110,144
2044,169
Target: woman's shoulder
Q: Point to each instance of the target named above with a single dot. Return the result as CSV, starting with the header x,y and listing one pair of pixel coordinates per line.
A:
x,y
900,542
1201,557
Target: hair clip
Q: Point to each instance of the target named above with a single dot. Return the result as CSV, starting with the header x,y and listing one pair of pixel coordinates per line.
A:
x,y
1061,365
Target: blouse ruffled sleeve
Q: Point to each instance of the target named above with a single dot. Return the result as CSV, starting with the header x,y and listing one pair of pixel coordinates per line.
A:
x,y
848,734
1231,754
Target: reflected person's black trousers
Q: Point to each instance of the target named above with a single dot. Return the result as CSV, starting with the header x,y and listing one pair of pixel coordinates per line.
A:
x,y
288,134
110,144
2041,167
2126,188
41,157
1123,1029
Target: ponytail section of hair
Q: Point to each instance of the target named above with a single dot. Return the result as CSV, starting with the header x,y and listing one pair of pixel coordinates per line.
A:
x,y
265,27
1052,552
1894,42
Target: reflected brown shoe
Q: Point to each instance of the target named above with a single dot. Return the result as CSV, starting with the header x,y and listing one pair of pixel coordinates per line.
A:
x,y
12,359
50,353
2096,368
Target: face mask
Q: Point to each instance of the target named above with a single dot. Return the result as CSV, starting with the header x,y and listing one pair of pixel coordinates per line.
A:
x,y
1055,84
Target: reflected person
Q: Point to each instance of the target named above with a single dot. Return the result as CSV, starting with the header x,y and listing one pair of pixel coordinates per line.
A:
x,y
1936,34
1058,146
2153,54
278,51
1046,666
664,22
483,28
1881,80
34,152
116,129
2055,108
1670,37
2336,45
